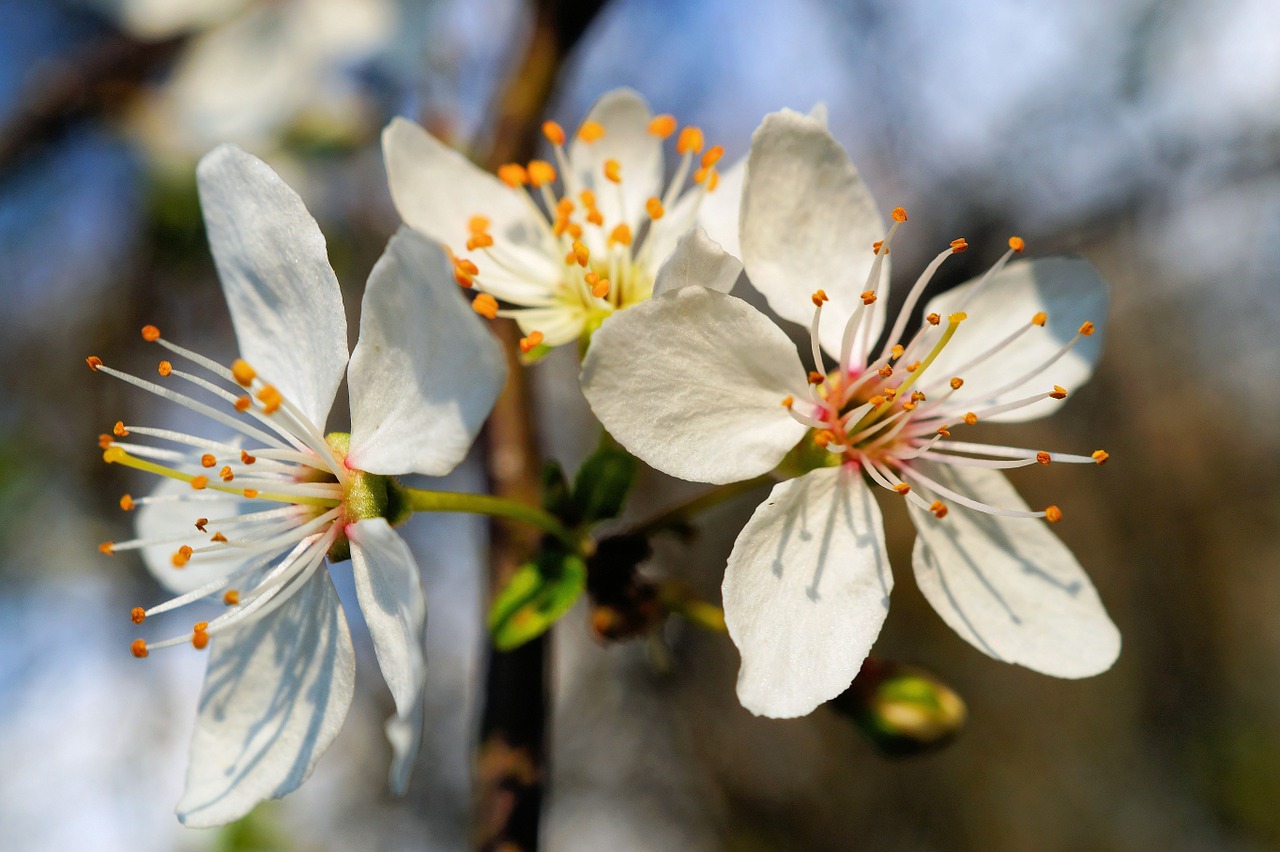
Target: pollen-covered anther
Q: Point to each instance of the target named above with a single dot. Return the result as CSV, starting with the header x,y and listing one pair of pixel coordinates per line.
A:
x,y
868,297
970,418
690,139
886,371
513,175
788,401
816,378
913,366
554,132
957,383
613,171
917,396
957,317
876,246
531,342
200,639
540,173
243,373
208,460
620,236
944,431
1058,392
164,368
231,597
271,399
712,156
139,648
478,224
890,393
126,503
245,458
219,537
118,430
819,298
479,241
1017,244
199,482
959,245
933,319
105,441
591,131
581,255
876,400
137,615
654,208
250,493
662,126
909,405
938,508
1100,456
902,488
600,289
181,556
1087,329
1040,319
485,305
898,214
107,547
201,524
94,362
823,437
243,403
150,333
225,474
1053,514
896,351
1043,457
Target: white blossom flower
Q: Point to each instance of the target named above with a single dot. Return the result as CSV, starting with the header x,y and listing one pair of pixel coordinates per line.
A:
x,y
594,248
703,386
248,523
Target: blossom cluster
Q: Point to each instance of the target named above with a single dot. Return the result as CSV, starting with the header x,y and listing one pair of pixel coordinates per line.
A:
x,y
596,247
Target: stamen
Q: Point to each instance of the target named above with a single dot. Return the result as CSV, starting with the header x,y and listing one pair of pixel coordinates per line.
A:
x,y
591,131
94,362
654,208
485,305
139,648
528,344
513,175
127,504
662,126
554,132
164,368
243,373
1101,456
150,333
613,171
541,173
1052,514
690,141
1043,457
137,615
938,508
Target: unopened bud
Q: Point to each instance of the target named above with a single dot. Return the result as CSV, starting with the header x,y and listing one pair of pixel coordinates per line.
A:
x,y
903,710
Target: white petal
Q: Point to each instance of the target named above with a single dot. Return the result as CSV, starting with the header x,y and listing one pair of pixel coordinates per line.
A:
x,y
698,260
275,695
169,519
425,372
1068,289
284,298
1008,586
437,191
692,383
395,609
625,118
808,221
806,592
715,212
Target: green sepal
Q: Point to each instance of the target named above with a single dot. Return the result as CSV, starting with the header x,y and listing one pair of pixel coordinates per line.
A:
x,y
534,355
600,489
535,598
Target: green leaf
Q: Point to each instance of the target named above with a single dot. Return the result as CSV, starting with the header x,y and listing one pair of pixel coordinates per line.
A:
x,y
555,491
603,482
538,594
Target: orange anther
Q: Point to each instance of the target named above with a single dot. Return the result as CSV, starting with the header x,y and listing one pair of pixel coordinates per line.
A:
x,y
126,503
1087,329
137,615
957,383
105,441
591,278
876,400
243,403
231,597
600,289
898,214
917,396
580,254
1053,514
819,296
970,418
485,305
620,235
208,460
271,399
788,401
886,371
890,393
1017,244
1043,457
225,474
479,241
249,493
713,180
107,547
180,559
869,297
245,458
654,208
1058,392
591,131
876,246
909,405
933,319
200,640
913,366
1040,319
558,229
712,156
201,524
1101,456
199,482
700,175
588,199
554,132
242,372
478,224
690,139
938,508
957,318
902,488
959,245
823,438
613,170
139,648
118,430
164,368
150,333
575,230
944,431
528,344
662,126
816,378
513,175
219,537
94,362
595,217
896,351
541,172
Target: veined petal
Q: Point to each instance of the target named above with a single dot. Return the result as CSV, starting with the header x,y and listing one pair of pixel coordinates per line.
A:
x,y
808,221
395,609
163,519
283,296
625,117
425,372
437,191
806,591
1067,289
692,383
1008,586
275,695
698,260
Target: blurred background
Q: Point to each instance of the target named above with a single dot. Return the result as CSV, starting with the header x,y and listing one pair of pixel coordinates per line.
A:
x,y
1143,134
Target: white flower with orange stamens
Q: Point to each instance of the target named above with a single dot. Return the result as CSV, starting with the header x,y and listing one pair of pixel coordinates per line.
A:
x,y
704,387
561,261
248,522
